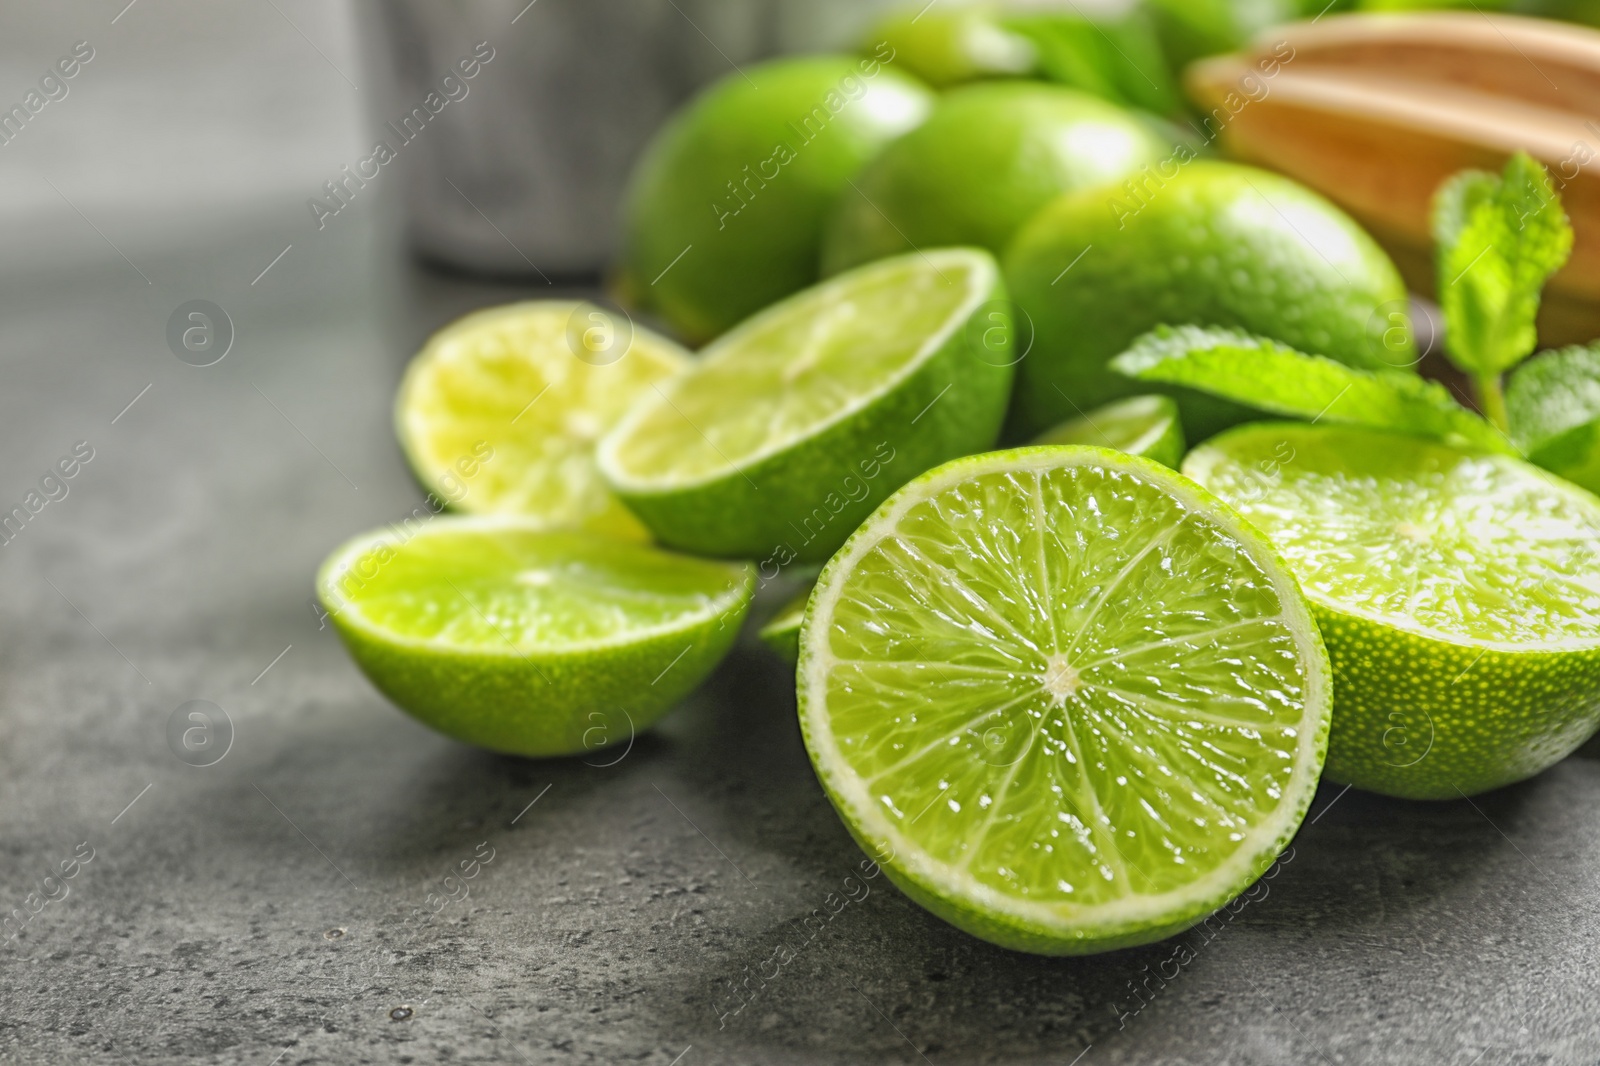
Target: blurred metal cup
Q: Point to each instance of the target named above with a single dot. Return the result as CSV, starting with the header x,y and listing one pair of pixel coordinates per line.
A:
x,y
521,169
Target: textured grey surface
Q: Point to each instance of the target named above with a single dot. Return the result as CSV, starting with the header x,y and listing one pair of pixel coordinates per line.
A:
x,y
262,910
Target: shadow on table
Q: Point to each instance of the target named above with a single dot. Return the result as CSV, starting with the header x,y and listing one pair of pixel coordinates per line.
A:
x,y
883,976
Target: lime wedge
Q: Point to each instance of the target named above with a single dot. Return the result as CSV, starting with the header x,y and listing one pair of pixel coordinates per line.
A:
x,y
782,631
1070,700
1554,404
502,634
500,412
1139,425
1459,596
792,427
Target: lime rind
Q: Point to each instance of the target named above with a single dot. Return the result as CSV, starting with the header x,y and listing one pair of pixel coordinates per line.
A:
x,y
764,337
1458,595
498,414
1147,426
461,624
796,499
1007,918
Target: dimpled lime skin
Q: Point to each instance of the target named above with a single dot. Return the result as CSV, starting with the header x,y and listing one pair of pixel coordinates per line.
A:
x,y
1213,244
1422,712
542,704
1404,725
539,705
986,160
741,252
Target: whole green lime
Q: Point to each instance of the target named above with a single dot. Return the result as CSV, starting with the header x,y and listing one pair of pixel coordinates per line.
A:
x,y
1193,241
949,45
987,159
726,208
1190,29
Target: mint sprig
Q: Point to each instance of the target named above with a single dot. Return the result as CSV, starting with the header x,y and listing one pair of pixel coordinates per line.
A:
x,y
1499,239
1279,380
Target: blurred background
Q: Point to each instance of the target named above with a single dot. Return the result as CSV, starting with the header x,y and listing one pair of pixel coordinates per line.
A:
x,y
254,909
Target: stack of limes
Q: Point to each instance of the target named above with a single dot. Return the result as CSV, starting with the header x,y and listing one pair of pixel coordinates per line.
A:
x,y
1070,698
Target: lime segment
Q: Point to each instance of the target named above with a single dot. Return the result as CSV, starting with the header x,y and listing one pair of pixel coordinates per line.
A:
x,y
792,427
523,640
1459,595
1077,700
500,412
1139,425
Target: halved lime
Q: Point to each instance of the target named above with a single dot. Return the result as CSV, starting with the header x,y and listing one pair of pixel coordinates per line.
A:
x,y
500,411
782,631
1459,595
792,427
1070,700
502,634
1139,425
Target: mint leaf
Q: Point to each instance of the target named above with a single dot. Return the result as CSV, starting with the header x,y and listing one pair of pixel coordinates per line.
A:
x,y
1118,58
1279,380
1499,239
1554,393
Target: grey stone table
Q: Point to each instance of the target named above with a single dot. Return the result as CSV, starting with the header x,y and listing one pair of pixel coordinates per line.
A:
x,y
264,909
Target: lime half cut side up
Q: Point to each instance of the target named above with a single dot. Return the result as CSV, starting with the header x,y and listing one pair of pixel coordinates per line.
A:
x,y
1459,595
1076,700
533,642
792,427
500,411
1140,425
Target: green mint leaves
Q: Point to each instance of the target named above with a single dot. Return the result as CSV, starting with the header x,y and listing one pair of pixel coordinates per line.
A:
x,y
1279,380
1554,405
1499,239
